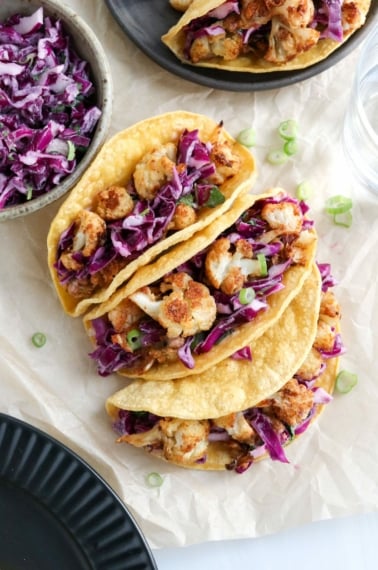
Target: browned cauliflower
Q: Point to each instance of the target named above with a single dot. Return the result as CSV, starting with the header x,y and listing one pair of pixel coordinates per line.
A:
x,y
184,441
114,203
229,271
292,403
183,217
236,426
226,163
294,13
187,309
154,170
285,42
90,231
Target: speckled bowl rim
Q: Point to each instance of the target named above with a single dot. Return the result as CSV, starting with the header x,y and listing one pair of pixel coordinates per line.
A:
x,y
100,67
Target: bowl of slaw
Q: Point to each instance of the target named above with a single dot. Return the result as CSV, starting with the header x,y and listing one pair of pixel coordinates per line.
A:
x,y
55,102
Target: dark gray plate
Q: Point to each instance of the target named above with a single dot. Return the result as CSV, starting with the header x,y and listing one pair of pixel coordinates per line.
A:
x,y
145,21
56,511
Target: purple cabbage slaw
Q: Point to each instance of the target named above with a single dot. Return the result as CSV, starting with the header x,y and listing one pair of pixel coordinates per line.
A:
x,y
149,221
231,312
327,19
47,110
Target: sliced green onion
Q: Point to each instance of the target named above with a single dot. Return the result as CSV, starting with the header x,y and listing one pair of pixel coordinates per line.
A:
x,y
144,212
277,157
246,295
154,479
263,264
38,339
304,190
215,198
338,204
71,150
290,147
344,219
29,194
134,339
247,137
288,129
188,199
345,381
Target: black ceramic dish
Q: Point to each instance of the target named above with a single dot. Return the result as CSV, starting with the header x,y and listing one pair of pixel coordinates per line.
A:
x,y
57,512
144,22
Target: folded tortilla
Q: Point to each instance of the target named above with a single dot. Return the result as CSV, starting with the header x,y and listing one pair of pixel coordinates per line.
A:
x,y
150,187
263,35
210,297
238,412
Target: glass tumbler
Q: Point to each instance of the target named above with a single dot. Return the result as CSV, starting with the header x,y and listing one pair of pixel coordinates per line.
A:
x,y
360,135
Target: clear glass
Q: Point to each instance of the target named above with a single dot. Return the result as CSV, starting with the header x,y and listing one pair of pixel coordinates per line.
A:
x,y
360,136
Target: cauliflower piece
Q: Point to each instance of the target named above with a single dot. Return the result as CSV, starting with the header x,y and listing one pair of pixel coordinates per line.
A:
x,y
236,426
325,336
285,43
90,232
226,47
229,271
114,203
294,13
226,163
184,441
188,309
298,249
183,217
283,216
154,170
329,307
200,49
311,367
151,437
253,12
125,315
352,17
292,403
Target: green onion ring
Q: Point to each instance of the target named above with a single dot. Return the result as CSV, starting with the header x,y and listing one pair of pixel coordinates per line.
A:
x,y
263,264
247,137
38,339
304,190
154,479
277,156
344,220
345,381
290,147
288,129
246,295
134,339
338,204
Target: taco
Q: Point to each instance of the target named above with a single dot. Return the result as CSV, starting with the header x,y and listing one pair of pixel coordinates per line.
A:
x,y
263,35
238,412
209,297
151,186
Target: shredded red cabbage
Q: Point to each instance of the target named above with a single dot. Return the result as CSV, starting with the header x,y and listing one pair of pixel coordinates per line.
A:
x,y
47,110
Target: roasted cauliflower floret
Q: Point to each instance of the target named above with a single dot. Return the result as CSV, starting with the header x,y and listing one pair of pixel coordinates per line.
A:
x,y
325,336
283,216
183,217
298,249
236,426
294,13
229,271
154,170
311,367
186,310
285,42
151,437
124,315
352,17
329,307
226,163
114,203
90,231
292,403
184,441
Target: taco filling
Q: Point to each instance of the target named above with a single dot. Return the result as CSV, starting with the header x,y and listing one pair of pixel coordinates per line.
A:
x,y
168,189
274,31
188,311
236,440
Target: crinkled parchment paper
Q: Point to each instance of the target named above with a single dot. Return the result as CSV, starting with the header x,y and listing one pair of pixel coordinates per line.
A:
x,y
333,470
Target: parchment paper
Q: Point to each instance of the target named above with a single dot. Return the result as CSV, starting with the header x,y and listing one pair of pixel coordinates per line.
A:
x,y
333,470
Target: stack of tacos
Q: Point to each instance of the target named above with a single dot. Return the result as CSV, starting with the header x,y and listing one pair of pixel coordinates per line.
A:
x,y
257,36
226,329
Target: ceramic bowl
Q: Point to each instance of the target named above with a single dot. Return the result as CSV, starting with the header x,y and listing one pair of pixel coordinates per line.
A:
x,y
88,47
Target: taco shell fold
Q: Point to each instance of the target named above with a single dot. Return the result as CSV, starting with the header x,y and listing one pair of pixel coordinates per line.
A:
x,y
113,168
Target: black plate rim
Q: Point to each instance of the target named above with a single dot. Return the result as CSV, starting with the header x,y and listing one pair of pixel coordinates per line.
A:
x,y
16,433
230,80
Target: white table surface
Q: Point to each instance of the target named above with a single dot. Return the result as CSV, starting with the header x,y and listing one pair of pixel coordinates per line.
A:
x,y
349,543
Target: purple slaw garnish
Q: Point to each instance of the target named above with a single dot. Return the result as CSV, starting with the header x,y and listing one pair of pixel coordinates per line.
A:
x,y
47,109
